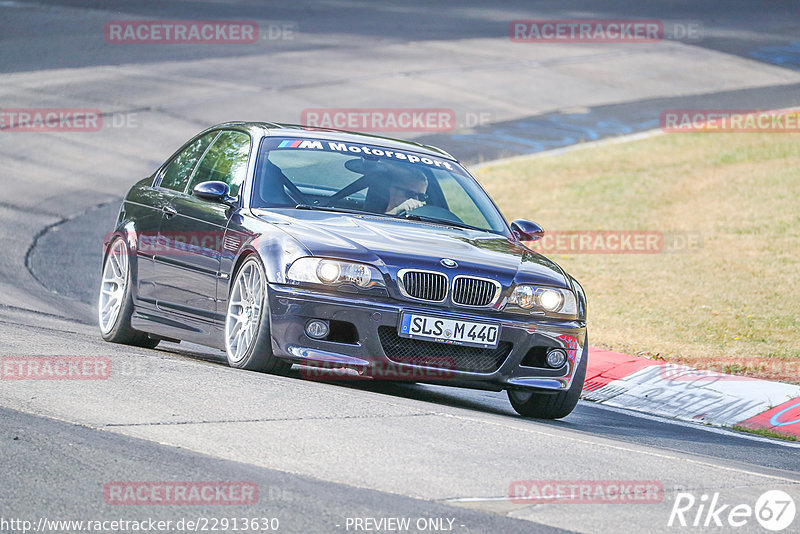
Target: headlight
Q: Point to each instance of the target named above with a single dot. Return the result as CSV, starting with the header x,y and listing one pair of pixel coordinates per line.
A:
x,y
551,300
523,296
546,299
334,273
328,272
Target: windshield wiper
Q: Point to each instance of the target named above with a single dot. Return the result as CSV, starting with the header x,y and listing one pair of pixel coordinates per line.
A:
x,y
437,220
408,216
334,209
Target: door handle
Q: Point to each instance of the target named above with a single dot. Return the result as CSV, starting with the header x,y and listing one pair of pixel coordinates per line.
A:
x,y
169,212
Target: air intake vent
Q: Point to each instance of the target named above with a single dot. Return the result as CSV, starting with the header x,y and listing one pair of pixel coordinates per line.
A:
x,y
477,292
424,285
442,355
231,243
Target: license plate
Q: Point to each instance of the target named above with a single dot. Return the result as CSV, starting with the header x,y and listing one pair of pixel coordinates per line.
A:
x,y
453,331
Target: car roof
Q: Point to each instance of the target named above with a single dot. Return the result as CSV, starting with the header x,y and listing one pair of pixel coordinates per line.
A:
x,y
274,129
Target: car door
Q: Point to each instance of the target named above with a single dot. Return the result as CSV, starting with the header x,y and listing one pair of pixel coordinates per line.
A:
x,y
170,180
193,229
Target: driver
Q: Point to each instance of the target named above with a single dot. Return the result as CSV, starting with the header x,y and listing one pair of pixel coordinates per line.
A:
x,y
407,191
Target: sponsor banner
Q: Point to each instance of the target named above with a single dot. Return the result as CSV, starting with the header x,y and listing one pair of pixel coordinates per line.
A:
x,y
55,368
181,32
381,119
586,491
180,493
730,121
358,149
586,31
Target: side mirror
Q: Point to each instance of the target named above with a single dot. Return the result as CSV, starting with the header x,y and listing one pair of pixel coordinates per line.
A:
x,y
526,230
214,191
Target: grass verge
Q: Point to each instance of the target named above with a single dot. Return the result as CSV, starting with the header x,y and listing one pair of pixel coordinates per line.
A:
x,y
731,303
766,432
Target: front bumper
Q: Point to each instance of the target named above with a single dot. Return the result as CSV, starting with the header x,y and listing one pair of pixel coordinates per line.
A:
x,y
292,307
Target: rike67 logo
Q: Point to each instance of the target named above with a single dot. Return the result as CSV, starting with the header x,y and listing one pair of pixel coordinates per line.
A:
x,y
774,510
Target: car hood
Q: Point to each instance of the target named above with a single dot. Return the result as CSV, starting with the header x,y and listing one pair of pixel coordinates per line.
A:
x,y
399,244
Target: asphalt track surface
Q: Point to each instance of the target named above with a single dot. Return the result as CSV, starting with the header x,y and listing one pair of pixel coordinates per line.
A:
x,y
321,452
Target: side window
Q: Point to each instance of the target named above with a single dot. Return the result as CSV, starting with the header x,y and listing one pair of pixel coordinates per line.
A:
x,y
460,202
225,161
176,175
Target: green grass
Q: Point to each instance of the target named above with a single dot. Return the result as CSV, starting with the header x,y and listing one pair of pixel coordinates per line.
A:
x,y
766,432
733,303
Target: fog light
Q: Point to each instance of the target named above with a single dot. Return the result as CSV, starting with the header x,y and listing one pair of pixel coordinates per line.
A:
x,y
556,358
317,329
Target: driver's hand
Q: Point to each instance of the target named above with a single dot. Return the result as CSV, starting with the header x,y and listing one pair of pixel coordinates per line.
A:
x,y
408,205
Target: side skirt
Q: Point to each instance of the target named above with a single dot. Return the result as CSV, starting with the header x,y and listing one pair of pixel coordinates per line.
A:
x,y
148,318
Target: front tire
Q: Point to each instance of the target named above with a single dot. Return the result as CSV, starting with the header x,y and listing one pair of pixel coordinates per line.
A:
x,y
551,405
115,303
248,343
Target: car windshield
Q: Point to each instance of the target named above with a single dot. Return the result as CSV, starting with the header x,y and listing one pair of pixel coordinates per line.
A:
x,y
348,177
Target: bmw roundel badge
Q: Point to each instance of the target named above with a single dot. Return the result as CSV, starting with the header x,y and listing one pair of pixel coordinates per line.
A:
x,y
450,264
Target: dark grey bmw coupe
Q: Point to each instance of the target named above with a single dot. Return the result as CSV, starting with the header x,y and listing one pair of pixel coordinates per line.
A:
x,y
283,245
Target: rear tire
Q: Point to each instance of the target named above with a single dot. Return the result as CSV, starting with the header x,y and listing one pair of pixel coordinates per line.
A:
x,y
551,405
248,344
115,303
